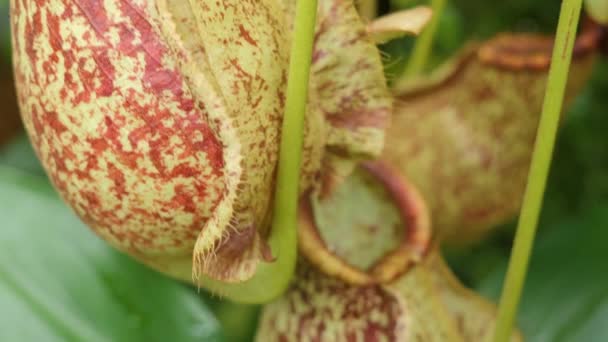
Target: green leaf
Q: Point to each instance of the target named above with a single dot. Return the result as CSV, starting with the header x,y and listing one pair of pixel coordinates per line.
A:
x,y
19,154
566,294
58,282
580,169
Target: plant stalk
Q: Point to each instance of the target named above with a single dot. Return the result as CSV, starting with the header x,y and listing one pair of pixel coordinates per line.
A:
x,y
424,43
272,279
368,9
283,238
539,168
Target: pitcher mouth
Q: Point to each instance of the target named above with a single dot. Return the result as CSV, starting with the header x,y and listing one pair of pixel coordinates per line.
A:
x,y
414,220
528,51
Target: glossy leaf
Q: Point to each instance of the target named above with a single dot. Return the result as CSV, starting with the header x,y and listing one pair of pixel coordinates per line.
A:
x,y
59,282
580,173
19,154
566,295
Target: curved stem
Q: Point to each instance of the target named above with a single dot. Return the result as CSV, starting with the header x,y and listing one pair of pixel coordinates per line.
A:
x,y
283,239
238,321
539,169
272,279
424,43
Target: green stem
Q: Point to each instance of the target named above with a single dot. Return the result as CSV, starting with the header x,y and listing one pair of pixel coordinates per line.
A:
x,y
283,239
368,9
539,169
238,321
424,43
272,279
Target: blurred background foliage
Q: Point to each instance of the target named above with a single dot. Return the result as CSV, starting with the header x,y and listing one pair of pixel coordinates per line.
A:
x,y
58,282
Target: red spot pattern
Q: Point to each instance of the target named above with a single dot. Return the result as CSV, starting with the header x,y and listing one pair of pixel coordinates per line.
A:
x,y
92,119
316,302
247,36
